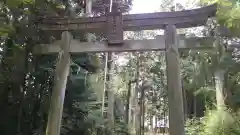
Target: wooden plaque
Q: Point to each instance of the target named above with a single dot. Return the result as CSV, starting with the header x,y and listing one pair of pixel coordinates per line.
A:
x,y
114,29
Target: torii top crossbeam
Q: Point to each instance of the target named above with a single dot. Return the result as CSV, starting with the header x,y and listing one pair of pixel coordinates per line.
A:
x,y
114,23
134,22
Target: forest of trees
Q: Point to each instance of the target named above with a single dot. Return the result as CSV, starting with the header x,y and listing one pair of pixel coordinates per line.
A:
x,y
210,78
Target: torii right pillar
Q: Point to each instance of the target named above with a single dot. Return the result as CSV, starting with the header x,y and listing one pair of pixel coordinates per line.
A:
x,y
175,99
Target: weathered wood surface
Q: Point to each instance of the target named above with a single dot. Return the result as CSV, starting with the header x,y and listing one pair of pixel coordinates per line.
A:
x,y
129,45
110,90
59,88
174,89
133,22
233,45
226,32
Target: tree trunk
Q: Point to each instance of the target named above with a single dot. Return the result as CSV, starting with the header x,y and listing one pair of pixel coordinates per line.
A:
x,y
194,105
219,84
59,88
219,74
153,113
175,102
156,122
23,86
88,8
137,106
142,111
6,70
128,102
184,102
228,92
152,122
104,84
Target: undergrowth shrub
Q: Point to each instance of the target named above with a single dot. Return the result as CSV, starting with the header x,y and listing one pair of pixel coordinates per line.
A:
x,y
216,122
194,127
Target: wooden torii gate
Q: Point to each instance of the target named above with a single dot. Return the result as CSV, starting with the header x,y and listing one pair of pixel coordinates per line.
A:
x,y
114,24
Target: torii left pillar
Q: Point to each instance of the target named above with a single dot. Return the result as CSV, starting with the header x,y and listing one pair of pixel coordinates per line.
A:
x,y
174,89
59,88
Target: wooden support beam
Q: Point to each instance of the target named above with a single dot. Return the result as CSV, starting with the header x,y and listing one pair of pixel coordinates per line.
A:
x,y
174,89
133,22
129,45
59,88
110,90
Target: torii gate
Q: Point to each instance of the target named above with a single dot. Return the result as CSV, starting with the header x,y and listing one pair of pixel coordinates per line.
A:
x,y
115,23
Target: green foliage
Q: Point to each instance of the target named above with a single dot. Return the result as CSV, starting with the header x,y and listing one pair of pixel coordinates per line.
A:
x,y
228,13
194,127
216,122
121,128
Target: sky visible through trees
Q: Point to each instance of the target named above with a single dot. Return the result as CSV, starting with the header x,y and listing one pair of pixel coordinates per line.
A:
x,y
149,6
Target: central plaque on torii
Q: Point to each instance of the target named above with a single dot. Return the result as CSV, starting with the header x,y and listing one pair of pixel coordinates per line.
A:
x,y
114,33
